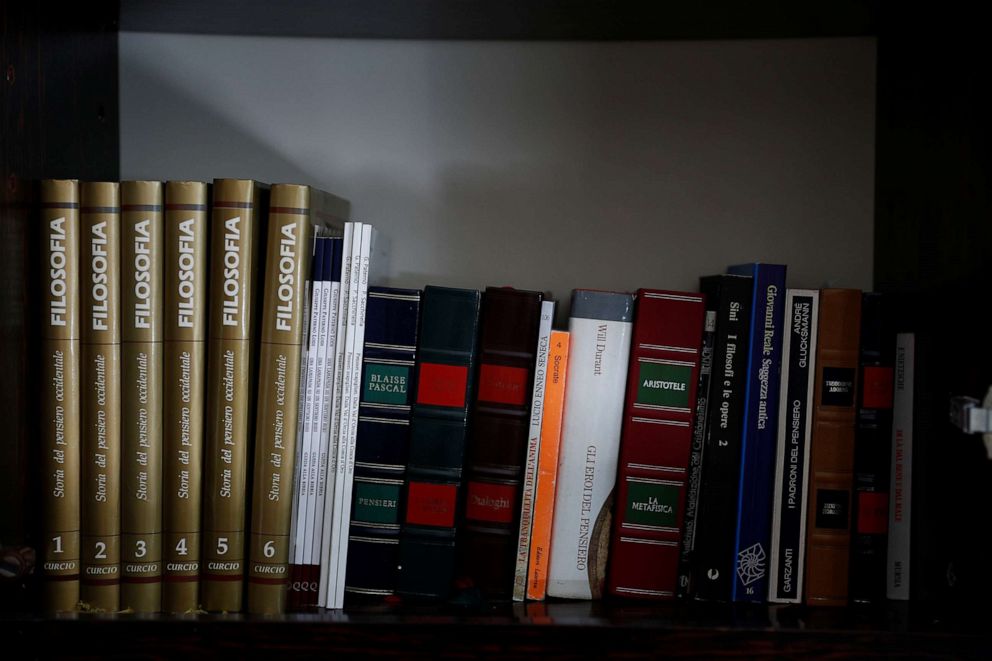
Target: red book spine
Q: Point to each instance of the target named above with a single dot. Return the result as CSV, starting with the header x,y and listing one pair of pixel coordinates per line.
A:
x,y
655,445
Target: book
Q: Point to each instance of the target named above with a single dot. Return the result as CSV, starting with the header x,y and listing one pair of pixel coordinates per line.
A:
x,y
237,249
446,359
828,530
716,520
764,364
142,325
788,544
699,429
655,444
184,389
361,273
296,214
600,329
528,493
547,465
60,393
101,395
298,583
872,453
898,553
389,359
497,444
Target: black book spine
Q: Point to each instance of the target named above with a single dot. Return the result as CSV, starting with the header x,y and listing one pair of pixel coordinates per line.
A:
x,y
686,587
872,453
716,519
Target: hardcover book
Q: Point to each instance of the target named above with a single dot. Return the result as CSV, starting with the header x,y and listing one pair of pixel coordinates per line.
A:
x,y
498,438
600,328
547,465
237,249
142,325
716,521
898,556
392,317
655,444
60,393
788,545
764,364
446,357
184,388
872,453
831,478
295,213
695,471
529,491
101,395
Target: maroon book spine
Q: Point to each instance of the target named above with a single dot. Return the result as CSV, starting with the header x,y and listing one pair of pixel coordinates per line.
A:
x,y
498,438
655,444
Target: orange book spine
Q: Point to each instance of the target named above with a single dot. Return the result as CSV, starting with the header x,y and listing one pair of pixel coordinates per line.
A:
x,y
547,467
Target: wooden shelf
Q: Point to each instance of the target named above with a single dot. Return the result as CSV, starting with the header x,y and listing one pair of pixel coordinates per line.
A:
x,y
506,19
552,630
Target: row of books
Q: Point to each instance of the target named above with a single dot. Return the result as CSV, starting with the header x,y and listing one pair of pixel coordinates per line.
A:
x,y
408,441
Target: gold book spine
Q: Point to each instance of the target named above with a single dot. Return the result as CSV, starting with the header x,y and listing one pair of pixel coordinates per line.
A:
x,y
186,237
236,248
142,257
60,412
101,395
290,240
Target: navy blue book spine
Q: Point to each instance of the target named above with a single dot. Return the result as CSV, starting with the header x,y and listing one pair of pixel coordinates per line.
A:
x,y
383,440
758,442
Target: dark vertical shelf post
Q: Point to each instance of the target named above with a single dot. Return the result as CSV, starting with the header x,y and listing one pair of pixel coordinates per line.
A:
x,y
58,76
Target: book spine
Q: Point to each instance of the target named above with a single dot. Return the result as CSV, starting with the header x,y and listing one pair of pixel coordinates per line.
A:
x,y
287,261
337,395
238,219
695,473
101,396
547,466
60,393
185,348
655,444
901,471
872,452
315,433
600,328
347,453
498,438
308,359
760,431
529,491
446,356
717,516
788,545
383,440
330,405
831,471
142,325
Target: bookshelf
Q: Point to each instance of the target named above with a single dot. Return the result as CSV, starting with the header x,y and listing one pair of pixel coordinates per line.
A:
x,y
61,95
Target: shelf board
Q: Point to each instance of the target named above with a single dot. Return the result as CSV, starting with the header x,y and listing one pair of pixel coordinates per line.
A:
x,y
552,630
504,19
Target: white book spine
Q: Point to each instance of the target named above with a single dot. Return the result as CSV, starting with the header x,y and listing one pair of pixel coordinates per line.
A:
x,y
901,476
326,373
348,456
590,444
533,451
295,535
794,432
330,488
313,432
